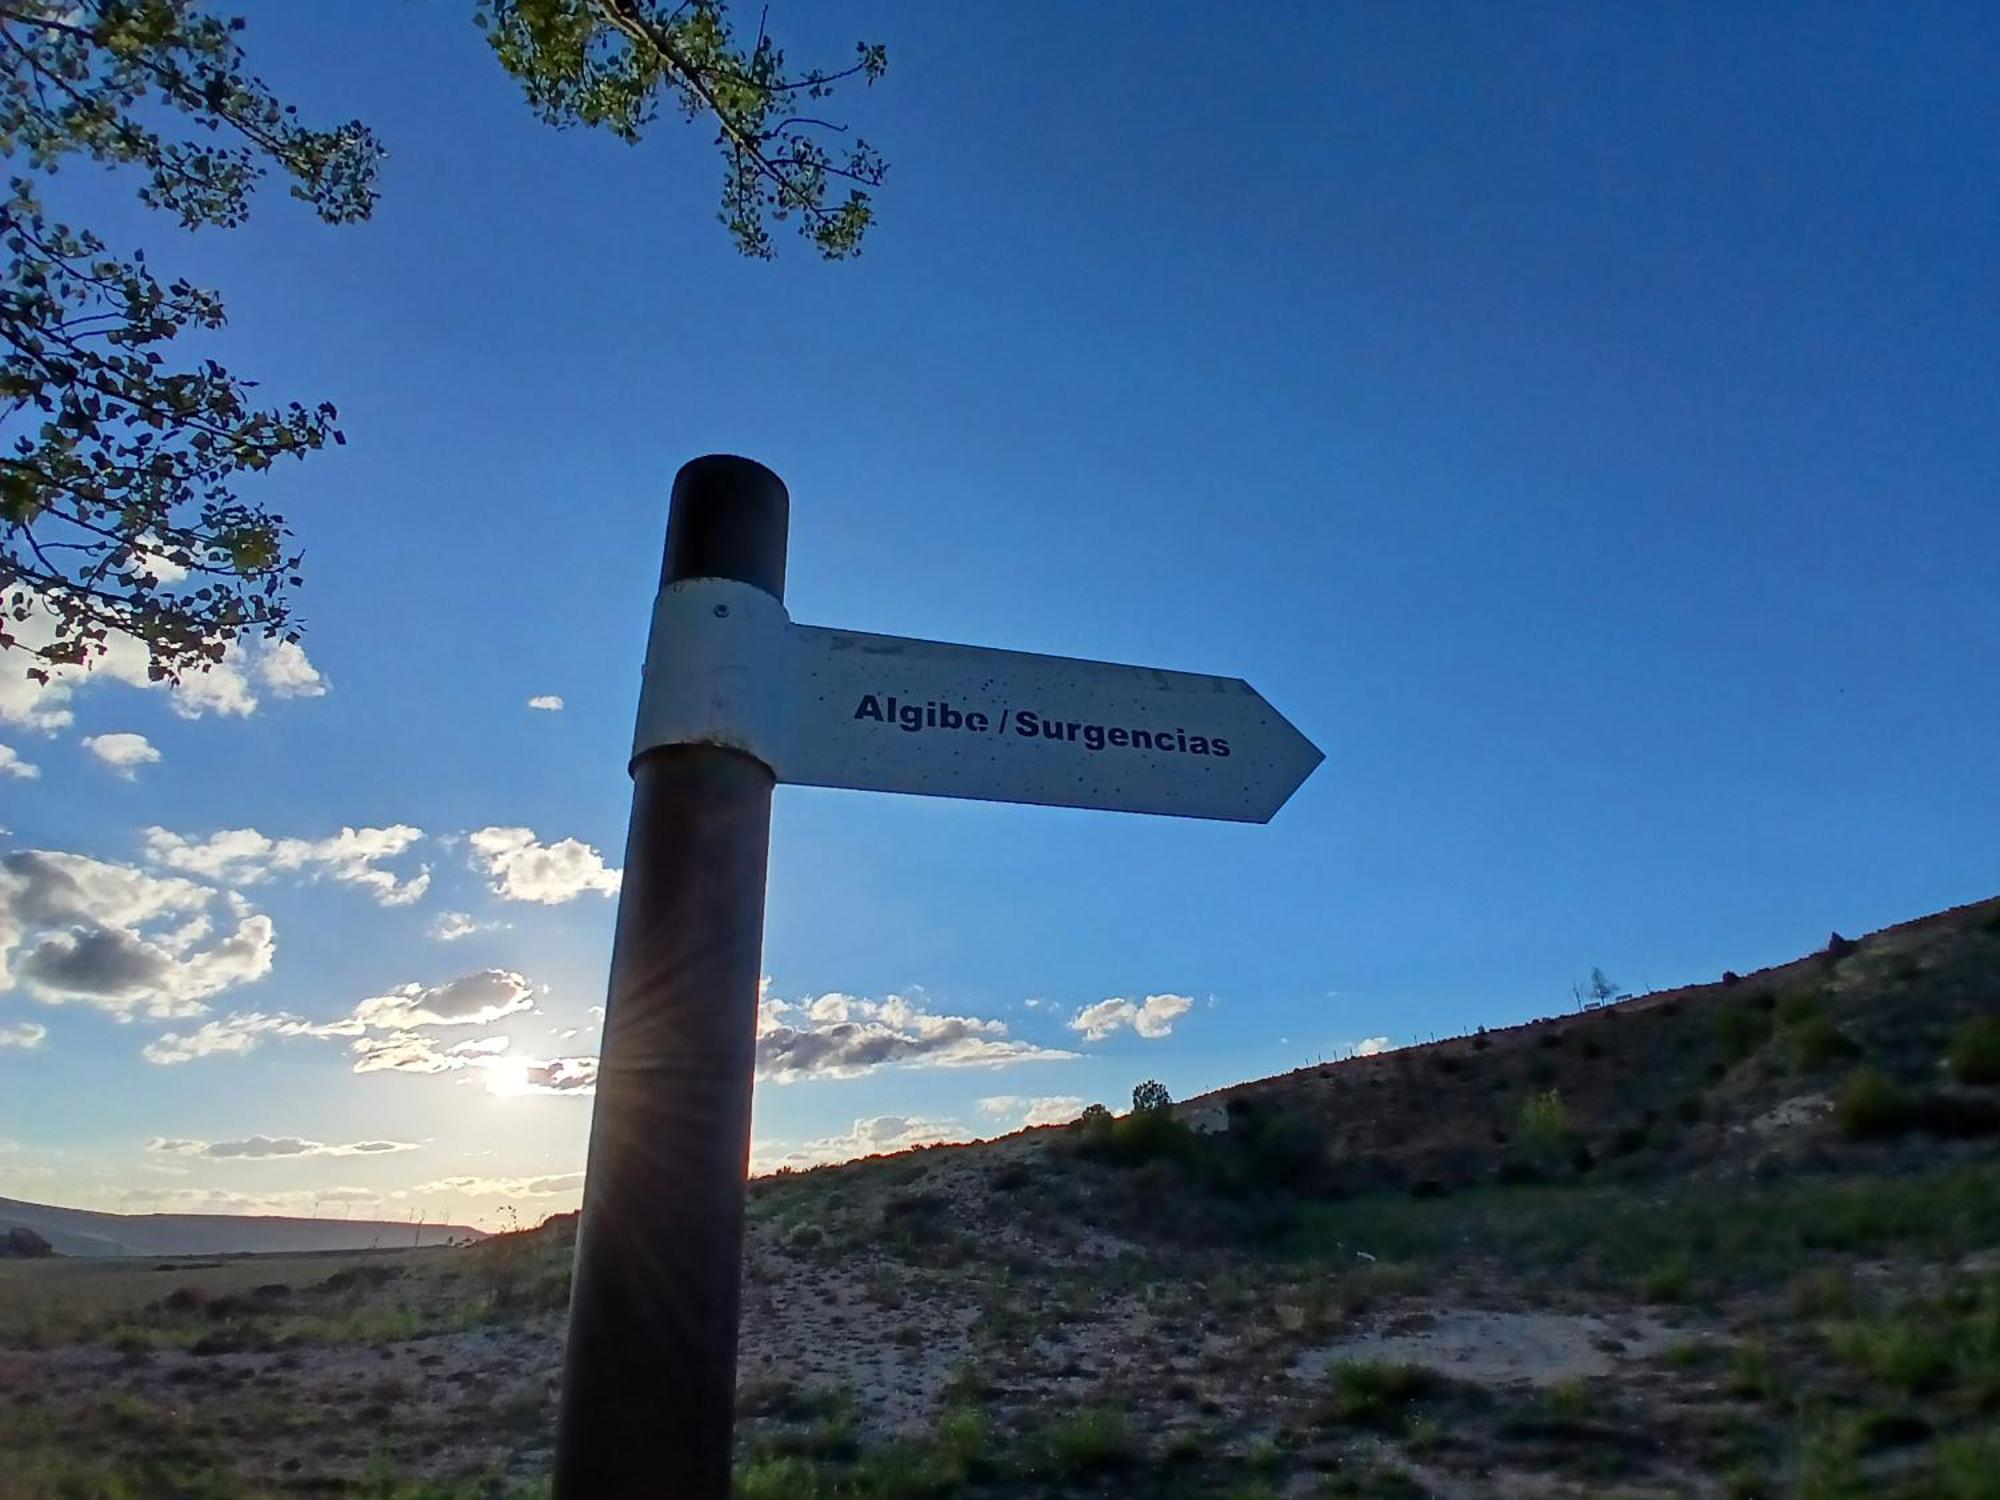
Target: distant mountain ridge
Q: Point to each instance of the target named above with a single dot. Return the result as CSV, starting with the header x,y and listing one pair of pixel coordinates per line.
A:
x,y
84,1231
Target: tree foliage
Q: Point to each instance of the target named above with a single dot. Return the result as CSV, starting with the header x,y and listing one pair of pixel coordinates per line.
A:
x,y
613,63
117,507
119,463
1150,1095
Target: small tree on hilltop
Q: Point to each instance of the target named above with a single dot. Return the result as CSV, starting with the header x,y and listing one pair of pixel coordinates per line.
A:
x,y
1149,1096
1597,990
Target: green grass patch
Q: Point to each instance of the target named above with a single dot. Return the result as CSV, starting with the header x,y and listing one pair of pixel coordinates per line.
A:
x,y
1816,1043
1086,1444
1974,1054
1871,1106
1362,1393
1608,1237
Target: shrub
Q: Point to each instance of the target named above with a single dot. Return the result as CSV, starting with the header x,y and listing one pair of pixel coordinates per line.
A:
x,y
1974,1055
1753,1374
961,1436
1969,1466
1150,1095
1011,1178
777,1479
1829,1464
1086,1443
1739,1031
1799,1005
1670,1280
1144,1135
1816,1042
1149,1135
1376,1395
1279,1148
1900,1352
1870,1105
1826,1293
1543,1127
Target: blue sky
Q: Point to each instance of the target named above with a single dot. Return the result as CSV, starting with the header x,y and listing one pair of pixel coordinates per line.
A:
x,y
1579,421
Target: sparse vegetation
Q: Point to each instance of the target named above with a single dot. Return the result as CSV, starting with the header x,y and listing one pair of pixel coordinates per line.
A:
x,y
1974,1057
1087,1443
1132,1306
1542,1127
1740,1030
1367,1394
1817,1042
1870,1106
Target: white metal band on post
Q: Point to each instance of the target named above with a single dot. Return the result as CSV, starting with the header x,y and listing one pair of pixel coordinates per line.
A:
x,y
717,671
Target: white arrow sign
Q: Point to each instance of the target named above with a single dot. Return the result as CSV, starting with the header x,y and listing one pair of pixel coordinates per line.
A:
x,y
839,708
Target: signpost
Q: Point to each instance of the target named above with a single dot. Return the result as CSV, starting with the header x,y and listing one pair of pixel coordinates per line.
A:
x,y
737,698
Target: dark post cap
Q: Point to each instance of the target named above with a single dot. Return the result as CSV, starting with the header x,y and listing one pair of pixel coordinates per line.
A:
x,y
728,519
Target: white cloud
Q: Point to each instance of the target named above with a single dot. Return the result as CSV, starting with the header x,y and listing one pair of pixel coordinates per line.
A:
x,y
229,687
841,1036
123,753
282,667
1152,1017
552,1186
118,938
552,1075
871,1137
27,1035
413,1052
265,1147
547,702
237,1034
1045,1109
471,1000
243,856
390,1033
450,926
11,764
525,869
1368,1046
505,1074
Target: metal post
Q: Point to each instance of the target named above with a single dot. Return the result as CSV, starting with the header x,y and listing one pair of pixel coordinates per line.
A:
x,y
649,1376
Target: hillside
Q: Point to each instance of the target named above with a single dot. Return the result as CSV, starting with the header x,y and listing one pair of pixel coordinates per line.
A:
x,y
1741,1073
83,1231
1738,1240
